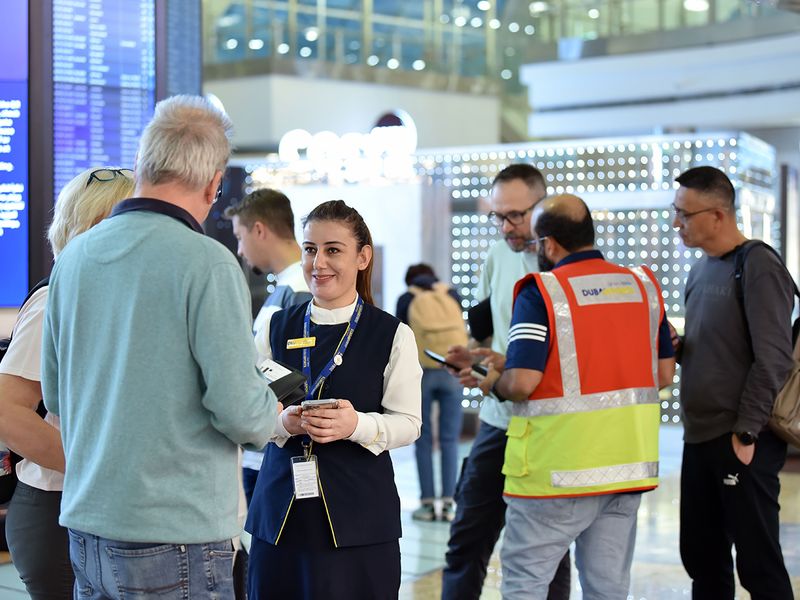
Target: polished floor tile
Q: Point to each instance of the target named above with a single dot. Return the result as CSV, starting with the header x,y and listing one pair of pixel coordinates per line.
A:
x,y
657,573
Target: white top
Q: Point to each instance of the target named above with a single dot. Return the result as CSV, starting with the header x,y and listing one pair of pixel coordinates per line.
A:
x,y
399,424
23,359
501,271
292,278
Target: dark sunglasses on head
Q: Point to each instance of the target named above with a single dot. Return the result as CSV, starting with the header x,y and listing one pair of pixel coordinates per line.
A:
x,y
108,175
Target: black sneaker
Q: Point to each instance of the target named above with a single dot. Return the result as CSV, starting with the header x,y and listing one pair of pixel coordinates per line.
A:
x,y
425,512
448,511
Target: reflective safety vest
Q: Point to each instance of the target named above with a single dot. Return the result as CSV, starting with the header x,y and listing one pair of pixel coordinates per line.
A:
x,y
591,425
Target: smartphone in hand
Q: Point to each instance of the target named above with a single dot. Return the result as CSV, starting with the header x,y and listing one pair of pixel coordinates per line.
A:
x,y
322,403
479,371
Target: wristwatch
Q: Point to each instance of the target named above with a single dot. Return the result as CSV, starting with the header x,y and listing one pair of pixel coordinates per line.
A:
x,y
497,394
747,438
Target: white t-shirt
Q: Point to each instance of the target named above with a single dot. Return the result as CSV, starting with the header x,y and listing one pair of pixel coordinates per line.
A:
x,y
23,359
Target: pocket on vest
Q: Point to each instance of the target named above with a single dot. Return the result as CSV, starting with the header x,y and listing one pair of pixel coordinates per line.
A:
x,y
516,462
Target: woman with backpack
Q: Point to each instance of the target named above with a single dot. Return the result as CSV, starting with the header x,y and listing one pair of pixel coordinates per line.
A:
x,y
433,311
325,514
39,545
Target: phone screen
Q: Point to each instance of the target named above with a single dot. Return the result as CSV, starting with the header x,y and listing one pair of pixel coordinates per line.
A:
x,y
323,403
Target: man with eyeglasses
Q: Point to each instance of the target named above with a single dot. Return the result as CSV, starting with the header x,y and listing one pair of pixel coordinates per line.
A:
x,y
734,358
480,509
148,359
589,346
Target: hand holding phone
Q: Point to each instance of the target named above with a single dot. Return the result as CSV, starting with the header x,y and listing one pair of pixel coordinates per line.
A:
x,y
322,403
479,371
326,426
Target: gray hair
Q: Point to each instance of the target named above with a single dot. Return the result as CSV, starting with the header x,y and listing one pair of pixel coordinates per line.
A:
x,y
186,142
83,203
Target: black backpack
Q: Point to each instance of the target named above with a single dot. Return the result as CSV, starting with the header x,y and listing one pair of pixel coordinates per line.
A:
x,y
8,470
738,273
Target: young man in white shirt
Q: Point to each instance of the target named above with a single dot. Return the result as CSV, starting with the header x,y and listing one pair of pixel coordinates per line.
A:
x,y
263,223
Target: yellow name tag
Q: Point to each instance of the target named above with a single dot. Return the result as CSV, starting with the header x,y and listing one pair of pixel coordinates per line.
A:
x,y
308,342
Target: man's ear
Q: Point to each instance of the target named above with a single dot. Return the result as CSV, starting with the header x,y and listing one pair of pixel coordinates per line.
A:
x,y
261,230
210,191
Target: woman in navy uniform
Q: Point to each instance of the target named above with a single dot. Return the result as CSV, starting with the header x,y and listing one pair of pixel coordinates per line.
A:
x,y
337,537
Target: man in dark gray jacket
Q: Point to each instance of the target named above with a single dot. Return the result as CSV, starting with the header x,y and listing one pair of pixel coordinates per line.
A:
x,y
735,358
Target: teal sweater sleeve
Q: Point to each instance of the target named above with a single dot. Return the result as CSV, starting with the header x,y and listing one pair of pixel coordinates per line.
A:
x,y
219,338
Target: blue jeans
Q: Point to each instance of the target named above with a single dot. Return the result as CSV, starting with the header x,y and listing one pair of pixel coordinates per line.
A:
x,y
438,384
480,516
111,570
539,532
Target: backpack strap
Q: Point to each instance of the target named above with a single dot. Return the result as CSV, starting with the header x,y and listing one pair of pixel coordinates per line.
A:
x,y
738,275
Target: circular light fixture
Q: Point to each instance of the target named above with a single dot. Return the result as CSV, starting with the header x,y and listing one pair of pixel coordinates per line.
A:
x,y
484,5
305,51
696,5
460,21
476,22
530,29
594,13
372,60
418,65
283,48
538,7
494,24
232,44
255,44
312,34
392,63
506,74
513,27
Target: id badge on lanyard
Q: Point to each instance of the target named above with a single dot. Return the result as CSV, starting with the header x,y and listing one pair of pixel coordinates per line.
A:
x,y
304,477
305,472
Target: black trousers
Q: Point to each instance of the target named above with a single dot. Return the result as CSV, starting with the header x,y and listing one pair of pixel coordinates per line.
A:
x,y
480,516
725,503
39,545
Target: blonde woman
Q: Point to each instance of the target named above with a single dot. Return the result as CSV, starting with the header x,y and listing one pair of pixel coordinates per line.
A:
x,y
39,546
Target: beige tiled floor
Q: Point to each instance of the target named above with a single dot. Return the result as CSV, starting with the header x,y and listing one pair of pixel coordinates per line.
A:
x,y
657,572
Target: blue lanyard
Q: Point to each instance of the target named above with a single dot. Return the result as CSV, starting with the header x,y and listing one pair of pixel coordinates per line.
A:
x,y
336,360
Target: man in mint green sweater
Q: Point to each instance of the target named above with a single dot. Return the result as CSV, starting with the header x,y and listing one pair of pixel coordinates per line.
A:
x,y
147,357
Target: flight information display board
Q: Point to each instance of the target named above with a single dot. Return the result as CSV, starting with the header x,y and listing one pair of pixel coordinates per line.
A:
x,y
103,82
14,153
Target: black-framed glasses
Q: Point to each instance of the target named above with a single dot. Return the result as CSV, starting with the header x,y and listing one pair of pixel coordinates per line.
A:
x,y
684,216
218,195
514,217
108,175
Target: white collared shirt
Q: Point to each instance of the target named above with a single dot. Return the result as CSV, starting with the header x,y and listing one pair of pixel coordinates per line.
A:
x,y
399,424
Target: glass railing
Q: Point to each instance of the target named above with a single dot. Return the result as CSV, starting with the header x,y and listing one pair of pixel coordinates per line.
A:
x,y
486,39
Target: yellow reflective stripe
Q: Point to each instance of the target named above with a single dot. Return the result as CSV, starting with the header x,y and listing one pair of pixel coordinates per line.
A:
x,y
604,475
285,518
654,303
567,350
327,514
585,402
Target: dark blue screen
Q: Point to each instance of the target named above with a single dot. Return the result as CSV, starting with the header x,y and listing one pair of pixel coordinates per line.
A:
x,y
14,153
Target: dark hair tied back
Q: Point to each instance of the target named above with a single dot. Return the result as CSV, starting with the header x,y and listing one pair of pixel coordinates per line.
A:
x,y
337,210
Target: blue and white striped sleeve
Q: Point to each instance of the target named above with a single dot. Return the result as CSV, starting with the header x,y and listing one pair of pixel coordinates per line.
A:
x,y
529,337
